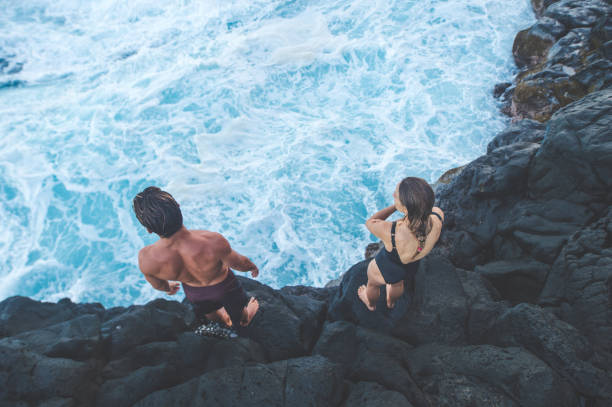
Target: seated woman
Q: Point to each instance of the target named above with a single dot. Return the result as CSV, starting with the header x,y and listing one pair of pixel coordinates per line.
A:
x,y
406,241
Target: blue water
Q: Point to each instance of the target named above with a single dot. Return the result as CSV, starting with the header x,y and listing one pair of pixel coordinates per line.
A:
x,y
281,124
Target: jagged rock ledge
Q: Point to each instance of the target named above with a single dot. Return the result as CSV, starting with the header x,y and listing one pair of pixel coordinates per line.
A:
x,y
513,308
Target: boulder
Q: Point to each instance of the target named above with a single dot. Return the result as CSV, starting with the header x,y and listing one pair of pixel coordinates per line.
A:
x,y
307,381
484,302
558,344
26,376
529,131
158,320
579,285
578,13
366,355
77,339
518,280
368,394
476,200
540,5
20,314
574,162
487,375
286,325
531,45
570,49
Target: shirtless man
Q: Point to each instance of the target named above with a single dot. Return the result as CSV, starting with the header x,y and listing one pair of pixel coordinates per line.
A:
x,y
200,260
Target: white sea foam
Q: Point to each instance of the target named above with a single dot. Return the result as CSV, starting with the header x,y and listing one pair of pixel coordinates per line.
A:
x,y
281,124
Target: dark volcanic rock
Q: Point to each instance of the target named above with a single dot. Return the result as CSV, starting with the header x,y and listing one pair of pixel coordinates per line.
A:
x,y
529,202
575,160
368,356
477,198
577,13
559,345
159,320
158,365
30,377
486,375
484,303
580,282
531,45
308,381
500,88
567,56
367,394
540,5
519,280
529,131
286,325
77,339
20,314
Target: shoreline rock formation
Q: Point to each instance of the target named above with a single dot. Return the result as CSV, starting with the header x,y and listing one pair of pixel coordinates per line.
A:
x,y
513,307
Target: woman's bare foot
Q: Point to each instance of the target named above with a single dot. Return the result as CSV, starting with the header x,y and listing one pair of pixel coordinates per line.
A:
x,y
390,304
249,311
361,293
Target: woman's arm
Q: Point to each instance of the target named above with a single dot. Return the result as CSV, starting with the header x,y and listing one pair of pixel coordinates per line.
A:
x,y
377,225
383,213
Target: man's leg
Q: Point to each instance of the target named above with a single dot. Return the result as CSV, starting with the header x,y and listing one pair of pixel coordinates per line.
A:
x,y
211,310
220,315
249,311
240,308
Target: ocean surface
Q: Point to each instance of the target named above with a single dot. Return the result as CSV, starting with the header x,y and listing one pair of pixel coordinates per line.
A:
x,y
281,124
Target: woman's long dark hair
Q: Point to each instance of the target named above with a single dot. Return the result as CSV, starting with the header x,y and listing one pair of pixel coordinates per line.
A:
x,y
418,197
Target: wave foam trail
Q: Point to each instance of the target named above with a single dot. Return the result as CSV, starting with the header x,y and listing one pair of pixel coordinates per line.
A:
x,y
281,124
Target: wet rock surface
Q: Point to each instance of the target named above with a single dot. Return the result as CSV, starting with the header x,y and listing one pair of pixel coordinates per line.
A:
x,y
512,308
565,55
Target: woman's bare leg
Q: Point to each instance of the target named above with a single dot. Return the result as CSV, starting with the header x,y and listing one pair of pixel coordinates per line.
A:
x,y
370,292
394,291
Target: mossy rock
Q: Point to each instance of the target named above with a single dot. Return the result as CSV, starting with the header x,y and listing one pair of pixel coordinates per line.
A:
x,y
539,99
530,48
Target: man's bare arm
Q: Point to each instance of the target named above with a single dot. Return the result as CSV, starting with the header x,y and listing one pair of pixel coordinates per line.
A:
x,y
147,269
235,260
158,284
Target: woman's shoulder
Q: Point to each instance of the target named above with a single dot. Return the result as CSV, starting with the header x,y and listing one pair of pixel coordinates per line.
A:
x,y
438,214
379,228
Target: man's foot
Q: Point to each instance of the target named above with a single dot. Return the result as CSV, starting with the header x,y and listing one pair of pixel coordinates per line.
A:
x,y
361,293
390,304
224,316
220,315
249,311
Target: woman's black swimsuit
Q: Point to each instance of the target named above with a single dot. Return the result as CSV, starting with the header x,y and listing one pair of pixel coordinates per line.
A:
x,y
390,265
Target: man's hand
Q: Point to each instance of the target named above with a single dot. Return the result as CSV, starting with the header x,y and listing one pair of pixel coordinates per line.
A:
x,y
174,287
254,272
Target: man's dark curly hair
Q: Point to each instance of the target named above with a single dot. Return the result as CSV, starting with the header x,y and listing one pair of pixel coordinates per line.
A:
x,y
158,211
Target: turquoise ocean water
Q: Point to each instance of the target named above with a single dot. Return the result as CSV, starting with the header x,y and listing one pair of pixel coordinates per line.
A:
x,y
281,124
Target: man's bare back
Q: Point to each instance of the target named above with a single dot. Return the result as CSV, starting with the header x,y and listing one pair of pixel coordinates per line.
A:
x,y
196,257
203,261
